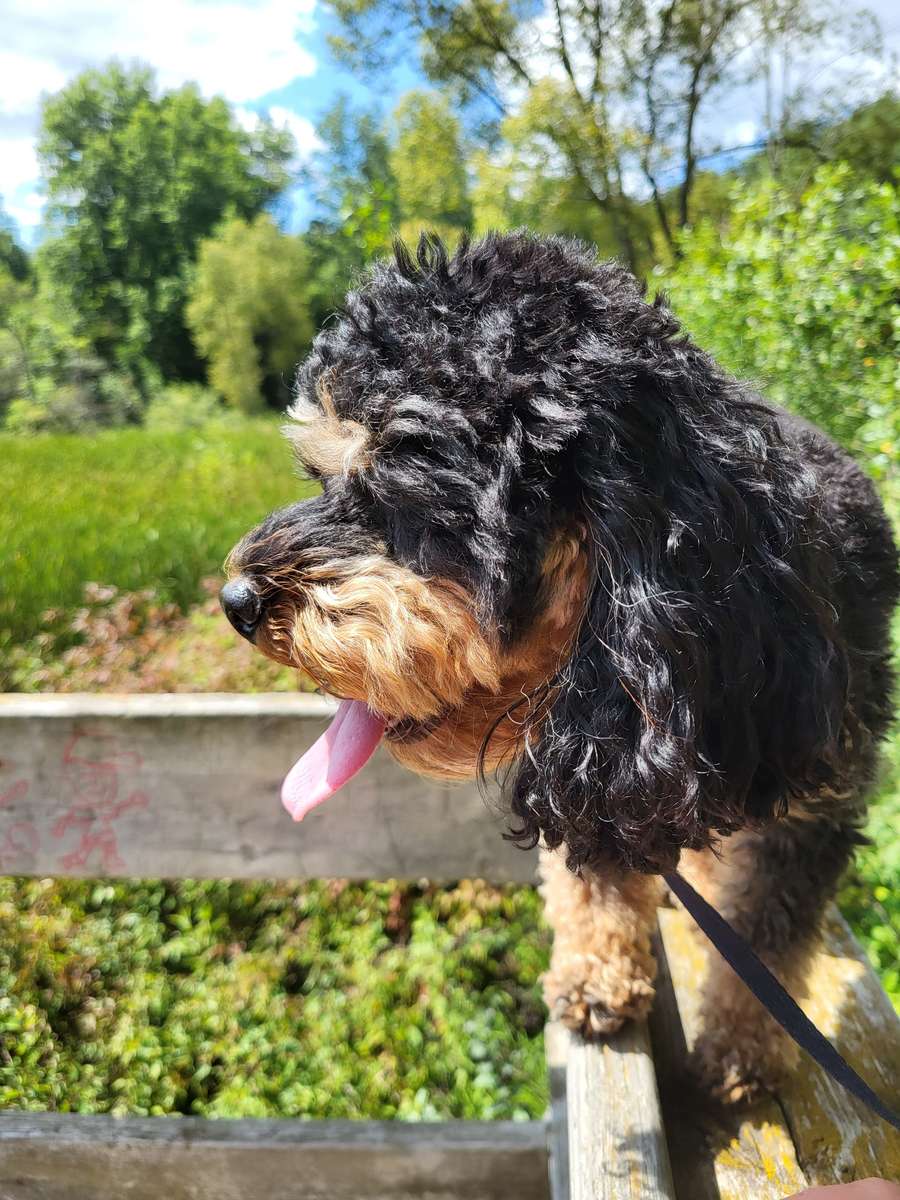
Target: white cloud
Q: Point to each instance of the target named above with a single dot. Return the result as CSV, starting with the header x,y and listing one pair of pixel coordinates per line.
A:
x,y
18,163
239,49
303,130
27,212
744,133
19,185
24,77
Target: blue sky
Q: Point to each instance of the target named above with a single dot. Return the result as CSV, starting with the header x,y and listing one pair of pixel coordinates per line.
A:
x,y
262,55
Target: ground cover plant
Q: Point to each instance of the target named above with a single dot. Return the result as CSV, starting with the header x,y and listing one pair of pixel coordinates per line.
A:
x,y
131,508
266,999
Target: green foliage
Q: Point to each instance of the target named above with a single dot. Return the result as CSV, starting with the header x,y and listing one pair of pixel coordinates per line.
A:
x,y
374,180
429,166
870,897
94,398
268,999
13,259
354,189
183,406
135,179
611,99
803,299
526,182
248,311
50,377
868,141
129,508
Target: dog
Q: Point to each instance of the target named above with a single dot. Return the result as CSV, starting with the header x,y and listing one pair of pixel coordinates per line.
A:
x,y
555,539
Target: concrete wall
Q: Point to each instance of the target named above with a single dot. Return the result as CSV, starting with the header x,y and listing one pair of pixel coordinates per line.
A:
x,y
181,785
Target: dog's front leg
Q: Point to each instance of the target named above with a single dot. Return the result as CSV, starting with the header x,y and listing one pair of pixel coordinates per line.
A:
x,y
602,968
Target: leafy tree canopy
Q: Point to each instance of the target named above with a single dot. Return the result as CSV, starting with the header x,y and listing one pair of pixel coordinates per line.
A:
x,y
13,258
354,190
616,93
248,311
428,162
135,178
803,298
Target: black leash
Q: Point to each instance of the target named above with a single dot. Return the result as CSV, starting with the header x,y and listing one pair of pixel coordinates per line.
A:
x,y
766,988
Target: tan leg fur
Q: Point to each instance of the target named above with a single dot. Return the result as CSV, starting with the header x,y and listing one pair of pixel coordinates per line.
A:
x,y
602,968
740,1050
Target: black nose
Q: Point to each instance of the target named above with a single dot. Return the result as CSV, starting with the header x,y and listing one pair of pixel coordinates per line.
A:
x,y
242,606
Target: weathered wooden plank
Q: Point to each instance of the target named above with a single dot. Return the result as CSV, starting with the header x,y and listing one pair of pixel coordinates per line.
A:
x,y
812,1132
716,1153
182,785
837,1137
556,1043
617,1144
49,1156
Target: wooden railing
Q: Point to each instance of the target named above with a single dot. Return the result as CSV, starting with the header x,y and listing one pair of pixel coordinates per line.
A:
x,y
187,786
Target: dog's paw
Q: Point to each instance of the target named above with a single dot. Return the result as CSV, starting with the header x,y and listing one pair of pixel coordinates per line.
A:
x,y
595,997
738,1067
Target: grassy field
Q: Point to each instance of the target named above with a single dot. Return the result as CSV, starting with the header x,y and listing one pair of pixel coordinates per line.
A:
x,y
131,508
229,999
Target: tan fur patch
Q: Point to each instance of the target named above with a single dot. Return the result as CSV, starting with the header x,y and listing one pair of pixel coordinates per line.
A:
x,y
325,443
412,648
452,748
602,969
371,630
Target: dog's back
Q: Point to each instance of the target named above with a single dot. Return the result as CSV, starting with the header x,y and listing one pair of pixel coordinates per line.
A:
x,y
866,581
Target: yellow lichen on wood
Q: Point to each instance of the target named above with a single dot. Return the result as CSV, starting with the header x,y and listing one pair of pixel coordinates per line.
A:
x,y
812,1131
838,1139
717,1152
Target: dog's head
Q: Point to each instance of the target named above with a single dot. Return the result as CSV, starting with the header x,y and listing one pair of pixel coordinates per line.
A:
x,y
551,533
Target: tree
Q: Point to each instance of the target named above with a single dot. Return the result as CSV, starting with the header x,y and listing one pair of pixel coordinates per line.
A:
x,y
135,179
354,191
429,167
868,140
527,180
12,257
248,311
616,90
50,377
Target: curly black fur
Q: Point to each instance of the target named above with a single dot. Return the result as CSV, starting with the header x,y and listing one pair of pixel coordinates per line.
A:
x,y
733,652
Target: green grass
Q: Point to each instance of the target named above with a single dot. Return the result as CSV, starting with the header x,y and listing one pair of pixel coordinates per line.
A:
x,y
133,508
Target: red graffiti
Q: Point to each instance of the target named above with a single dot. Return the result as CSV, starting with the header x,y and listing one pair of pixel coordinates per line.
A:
x,y
97,777
22,837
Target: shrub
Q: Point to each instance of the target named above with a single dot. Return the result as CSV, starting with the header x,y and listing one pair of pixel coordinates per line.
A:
x,y
133,642
803,298
230,999
183,406
99,398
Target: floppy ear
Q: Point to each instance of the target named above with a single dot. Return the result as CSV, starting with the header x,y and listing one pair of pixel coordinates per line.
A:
x,y
707,683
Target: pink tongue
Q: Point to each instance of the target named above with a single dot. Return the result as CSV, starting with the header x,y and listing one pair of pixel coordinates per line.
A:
x,y
343,749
